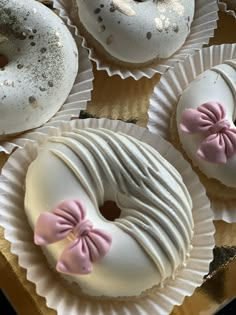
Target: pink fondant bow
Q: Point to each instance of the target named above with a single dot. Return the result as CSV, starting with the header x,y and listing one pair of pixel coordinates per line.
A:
x,y
209,119
68,220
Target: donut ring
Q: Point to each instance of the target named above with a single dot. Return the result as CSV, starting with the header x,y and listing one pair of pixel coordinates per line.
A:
x,y
155,228
213,150
42,65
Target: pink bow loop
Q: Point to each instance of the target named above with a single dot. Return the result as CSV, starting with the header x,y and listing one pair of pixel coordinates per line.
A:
x,y
68,220
209,120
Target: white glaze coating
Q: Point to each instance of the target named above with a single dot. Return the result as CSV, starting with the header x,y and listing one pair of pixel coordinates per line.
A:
x,y
217,84
137,32
43,63
152,237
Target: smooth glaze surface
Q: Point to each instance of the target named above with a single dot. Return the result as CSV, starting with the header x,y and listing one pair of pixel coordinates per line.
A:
x,y
218,85
137,32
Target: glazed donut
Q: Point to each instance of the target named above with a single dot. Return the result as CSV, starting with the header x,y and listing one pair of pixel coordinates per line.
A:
x,y
41,65
73,175
137,32
205,118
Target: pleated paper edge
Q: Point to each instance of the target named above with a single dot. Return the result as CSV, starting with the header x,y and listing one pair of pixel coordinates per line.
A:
x,y
18,232
165,98
198,37
224,8
76,101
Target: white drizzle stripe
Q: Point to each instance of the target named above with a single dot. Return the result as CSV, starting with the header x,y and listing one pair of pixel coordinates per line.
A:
x,y
146,171
152,226
73,168
231,63
159,178
186,202
142,239
159,219
152,211
155,200
226,77
94,150
167,197
146,192
88,162
165,215
98,141
108,137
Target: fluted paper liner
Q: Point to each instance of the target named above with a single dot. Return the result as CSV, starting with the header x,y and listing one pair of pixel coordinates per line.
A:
x,y
77,99
165,98
49,285
224,8
202,29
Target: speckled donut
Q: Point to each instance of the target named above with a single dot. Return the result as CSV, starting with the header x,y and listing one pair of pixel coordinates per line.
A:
x,y
41,63
137,32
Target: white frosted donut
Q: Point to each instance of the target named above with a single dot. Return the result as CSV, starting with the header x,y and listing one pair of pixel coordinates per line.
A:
x,y
42,65
214,93
137,32
151,239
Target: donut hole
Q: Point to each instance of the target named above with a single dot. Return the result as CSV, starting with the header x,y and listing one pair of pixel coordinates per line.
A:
x,y
110,211
3,61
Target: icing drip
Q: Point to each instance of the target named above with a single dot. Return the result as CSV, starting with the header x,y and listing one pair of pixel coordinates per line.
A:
x,y
154,212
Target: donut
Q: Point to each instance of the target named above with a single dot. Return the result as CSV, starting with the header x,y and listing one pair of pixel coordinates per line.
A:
x,y
38,65
72,176
136,32
206,113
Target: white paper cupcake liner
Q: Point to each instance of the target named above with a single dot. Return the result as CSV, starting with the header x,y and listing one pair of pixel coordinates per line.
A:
x,y
56,293
76,101
202,29
165,98
224,8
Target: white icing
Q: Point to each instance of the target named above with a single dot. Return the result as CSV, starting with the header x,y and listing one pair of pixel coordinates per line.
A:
x,y
216,84
138,32
152,237
43,63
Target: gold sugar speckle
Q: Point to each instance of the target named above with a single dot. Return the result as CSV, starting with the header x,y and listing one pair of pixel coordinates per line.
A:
x,y
175,28
159,24
109,39
173,5
101,28
8,83
162,9
123,7
167,23
179,8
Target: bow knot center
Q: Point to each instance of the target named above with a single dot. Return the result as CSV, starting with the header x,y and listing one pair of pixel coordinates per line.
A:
x,y
82,228
219,126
